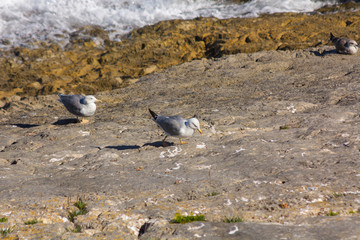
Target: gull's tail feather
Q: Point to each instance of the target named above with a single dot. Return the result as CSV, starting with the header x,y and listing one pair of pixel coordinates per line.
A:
x,y
154,115
331,37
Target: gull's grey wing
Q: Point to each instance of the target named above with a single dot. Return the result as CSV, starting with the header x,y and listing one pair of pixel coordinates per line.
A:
x,y
170,125
341,44
72,103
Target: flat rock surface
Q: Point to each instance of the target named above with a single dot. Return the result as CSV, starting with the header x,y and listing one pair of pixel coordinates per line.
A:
x,y
279,149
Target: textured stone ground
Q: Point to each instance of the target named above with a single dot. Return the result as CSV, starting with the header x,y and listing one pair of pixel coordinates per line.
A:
x,y
280,150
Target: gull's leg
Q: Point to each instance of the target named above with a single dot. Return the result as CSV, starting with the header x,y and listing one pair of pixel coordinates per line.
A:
x,y
83,120
163,142
182,142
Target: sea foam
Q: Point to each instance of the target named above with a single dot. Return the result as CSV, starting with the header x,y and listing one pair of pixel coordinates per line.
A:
x,y
24,21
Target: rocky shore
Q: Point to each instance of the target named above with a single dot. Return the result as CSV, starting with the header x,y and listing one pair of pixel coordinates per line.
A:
x,y
94,63
279,151
278,157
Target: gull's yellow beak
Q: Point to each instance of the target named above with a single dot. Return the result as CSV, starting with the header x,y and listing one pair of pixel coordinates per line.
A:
x,y
200,131
97,100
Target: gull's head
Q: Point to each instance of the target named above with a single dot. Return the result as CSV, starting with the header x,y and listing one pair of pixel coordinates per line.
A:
x,y
352,46
194,124
90,99
352,43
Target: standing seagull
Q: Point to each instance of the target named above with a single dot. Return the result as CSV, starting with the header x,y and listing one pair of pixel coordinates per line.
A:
x,y
79,105
176,126
344,45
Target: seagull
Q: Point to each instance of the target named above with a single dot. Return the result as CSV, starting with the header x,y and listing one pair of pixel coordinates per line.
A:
x,y
79,105
344,45
176,126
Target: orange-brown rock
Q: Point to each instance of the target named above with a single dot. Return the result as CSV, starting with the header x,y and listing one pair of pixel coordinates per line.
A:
x,y
86,67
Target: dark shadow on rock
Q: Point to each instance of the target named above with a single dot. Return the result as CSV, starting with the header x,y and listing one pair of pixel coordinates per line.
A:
x,y
124,147
66,121
21,125
158,144
321,54
144,228
6,106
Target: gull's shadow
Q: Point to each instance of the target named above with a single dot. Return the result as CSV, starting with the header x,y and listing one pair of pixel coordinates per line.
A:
x,y
326,52
158,144
124,147
21,125
66,121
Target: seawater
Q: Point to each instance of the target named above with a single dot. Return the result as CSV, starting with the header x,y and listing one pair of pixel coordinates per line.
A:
x,y
25,21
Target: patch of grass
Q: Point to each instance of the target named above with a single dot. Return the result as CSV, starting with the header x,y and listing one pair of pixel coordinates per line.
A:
x,y
331,213
5,231
4,219
31,222
232,219
81,206
351,211
186,219
81,210
72,215
213,193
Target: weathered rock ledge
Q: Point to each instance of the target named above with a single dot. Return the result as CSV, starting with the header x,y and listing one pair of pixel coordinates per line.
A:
x,y
280,150
86,67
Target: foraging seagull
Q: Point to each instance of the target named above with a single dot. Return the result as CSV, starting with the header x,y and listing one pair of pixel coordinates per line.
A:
x,y
79,105
176,126
344,45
